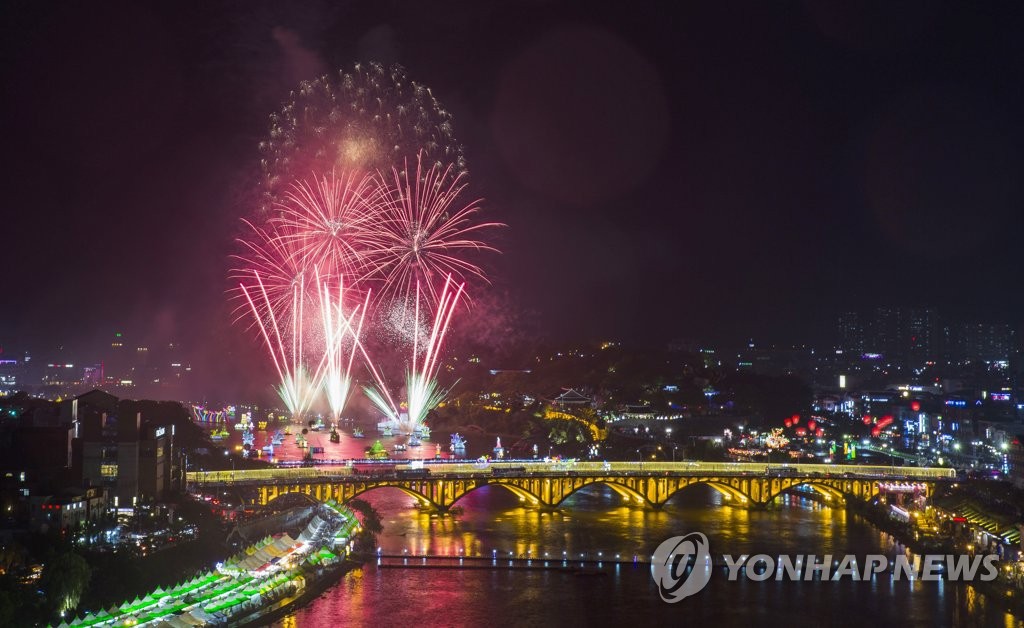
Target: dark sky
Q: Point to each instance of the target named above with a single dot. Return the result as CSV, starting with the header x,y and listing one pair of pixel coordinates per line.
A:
x,y
712,170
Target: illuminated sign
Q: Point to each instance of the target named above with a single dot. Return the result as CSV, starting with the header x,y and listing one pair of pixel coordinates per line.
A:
x,y
160,431
1000,396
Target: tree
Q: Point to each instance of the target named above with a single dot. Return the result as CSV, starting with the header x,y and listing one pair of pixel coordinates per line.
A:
x,y
372,525
370,516
773,397
65,579
12,557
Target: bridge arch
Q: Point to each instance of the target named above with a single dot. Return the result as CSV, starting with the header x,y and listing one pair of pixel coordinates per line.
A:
x,y
422,500
340,492
835,490
523,494
288,499
627,493
730,493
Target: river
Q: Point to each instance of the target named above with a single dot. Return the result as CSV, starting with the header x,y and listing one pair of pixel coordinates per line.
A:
x,y
349,447
595,520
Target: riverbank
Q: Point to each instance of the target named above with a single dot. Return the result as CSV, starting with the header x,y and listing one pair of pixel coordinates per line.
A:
x,y
269,576
903,532
999,592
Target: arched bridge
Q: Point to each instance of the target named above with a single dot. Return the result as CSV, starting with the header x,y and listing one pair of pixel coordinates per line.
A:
x,y
438,485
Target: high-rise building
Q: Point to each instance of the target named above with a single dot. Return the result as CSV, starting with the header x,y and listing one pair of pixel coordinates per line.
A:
x,y
920,336
983,342
117,364
851,333
884,334
116,449
1015,460
12,376
905,337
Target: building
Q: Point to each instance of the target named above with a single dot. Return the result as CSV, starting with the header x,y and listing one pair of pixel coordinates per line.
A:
x,y
1015,460
12,376
71,510
884,334
851,333
906,337
35,456
983,342
920,336
571,398
116,449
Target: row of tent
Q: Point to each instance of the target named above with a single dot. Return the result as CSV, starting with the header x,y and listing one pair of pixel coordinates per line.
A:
x,y
212,597
1008,534
257,556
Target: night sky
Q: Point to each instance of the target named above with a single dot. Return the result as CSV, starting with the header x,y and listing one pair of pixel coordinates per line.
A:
x,y
710,171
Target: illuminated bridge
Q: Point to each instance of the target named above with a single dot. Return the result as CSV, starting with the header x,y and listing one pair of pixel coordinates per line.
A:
x,y
438,485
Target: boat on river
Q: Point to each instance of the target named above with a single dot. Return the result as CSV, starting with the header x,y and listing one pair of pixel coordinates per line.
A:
x,y
376,451
458,443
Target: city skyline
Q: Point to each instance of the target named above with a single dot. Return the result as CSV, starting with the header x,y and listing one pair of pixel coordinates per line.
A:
x,y
914,345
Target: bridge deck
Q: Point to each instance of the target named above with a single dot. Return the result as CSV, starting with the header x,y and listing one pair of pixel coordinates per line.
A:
x,y
458,470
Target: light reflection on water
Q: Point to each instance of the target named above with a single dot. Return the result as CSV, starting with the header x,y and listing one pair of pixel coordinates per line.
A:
x,y
595,520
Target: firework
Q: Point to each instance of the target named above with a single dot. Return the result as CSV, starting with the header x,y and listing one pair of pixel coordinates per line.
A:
x,y
424,233
284,342
273,263
328,224
423,392
344,215
339,355
364,119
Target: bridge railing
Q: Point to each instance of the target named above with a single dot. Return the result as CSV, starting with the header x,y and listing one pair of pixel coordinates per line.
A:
x,y
457,469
